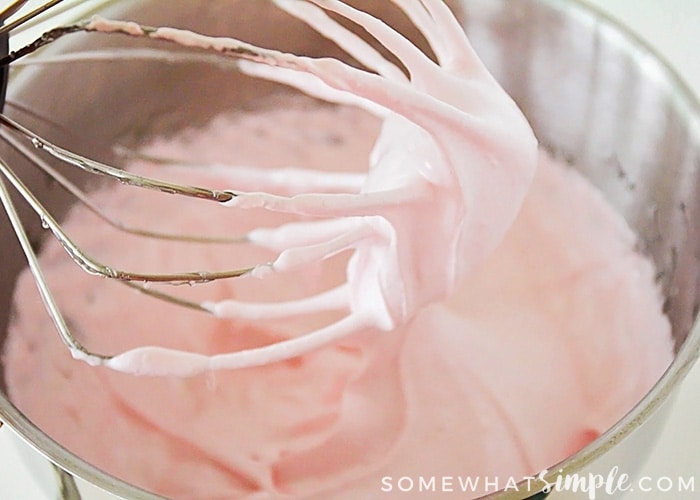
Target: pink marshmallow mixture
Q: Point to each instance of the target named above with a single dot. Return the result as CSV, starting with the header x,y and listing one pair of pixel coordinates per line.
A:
x,y
428,294
554,338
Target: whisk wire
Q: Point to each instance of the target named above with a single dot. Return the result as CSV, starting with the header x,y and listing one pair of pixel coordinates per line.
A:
x,y
95,167
91,265
4,68
85,200
16,6
8,12
76,348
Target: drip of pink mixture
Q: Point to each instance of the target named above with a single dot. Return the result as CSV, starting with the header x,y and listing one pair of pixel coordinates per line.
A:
x,y
545,345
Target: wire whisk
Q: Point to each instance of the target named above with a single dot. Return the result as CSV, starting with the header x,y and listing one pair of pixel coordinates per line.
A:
x,y
447,175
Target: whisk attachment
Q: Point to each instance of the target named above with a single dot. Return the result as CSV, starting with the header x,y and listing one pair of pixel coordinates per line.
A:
x,y
454,151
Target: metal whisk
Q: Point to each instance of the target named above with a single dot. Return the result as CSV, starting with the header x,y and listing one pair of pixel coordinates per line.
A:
x,y
414,221
84,261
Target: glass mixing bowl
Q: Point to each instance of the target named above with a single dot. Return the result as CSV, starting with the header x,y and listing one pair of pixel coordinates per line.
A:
x,y
594,94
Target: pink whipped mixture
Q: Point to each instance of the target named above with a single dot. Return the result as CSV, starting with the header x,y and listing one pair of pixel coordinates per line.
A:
x,y
546,345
